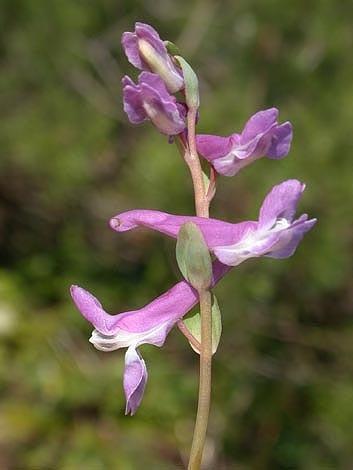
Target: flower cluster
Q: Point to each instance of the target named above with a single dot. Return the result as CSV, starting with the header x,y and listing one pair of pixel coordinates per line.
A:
x,y
275,234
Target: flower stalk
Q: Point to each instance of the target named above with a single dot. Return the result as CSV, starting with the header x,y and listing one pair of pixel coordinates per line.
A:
x,y
205,376
193,162
204,400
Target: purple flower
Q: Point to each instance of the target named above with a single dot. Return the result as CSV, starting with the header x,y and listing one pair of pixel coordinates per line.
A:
x,y
149,99
150,324
261,136
146,51
276,234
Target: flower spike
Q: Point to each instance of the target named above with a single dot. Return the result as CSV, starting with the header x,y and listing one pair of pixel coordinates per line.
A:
x,y
275,234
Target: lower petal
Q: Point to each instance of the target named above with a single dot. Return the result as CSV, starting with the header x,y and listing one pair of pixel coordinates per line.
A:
x,y
135,379
281,141
133,102
290,239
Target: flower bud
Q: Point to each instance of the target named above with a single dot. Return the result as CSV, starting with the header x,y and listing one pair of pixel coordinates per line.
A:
x,y
146,51
163,66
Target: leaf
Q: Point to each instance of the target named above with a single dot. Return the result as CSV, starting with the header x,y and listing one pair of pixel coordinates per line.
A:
x,y
191,83
193,324
193,257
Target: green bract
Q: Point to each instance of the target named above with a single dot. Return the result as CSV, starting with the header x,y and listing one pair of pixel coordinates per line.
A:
x,y
191,83
193,324
193,257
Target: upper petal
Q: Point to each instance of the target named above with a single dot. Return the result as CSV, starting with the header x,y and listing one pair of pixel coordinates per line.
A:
x,y
148,33
215,232
90,307
130,47
259,123
281,202
155,58
135,379
255,140
212,147
129,42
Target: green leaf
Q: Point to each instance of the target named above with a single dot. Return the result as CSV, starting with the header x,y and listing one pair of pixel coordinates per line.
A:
x,y
193,324
193,257
191,83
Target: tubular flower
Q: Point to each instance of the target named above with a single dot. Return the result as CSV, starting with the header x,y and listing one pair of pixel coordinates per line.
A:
x,y
261,136
150,324
146,51
149,99
276,234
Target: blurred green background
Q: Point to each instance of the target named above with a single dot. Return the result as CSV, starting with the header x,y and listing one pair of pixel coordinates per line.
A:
x,y
283,375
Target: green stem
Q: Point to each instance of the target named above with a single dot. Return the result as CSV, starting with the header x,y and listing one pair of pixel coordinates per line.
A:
x,y
203,407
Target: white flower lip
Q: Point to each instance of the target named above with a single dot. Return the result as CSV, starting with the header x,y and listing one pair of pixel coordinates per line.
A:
x,y
125,339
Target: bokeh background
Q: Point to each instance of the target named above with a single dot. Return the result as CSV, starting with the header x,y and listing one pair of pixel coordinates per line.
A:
x,y
283,375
